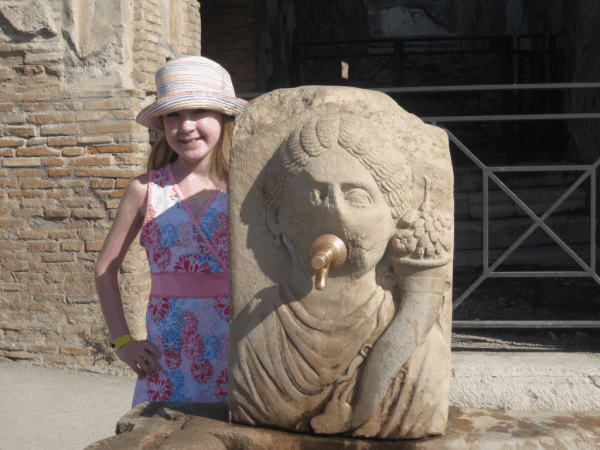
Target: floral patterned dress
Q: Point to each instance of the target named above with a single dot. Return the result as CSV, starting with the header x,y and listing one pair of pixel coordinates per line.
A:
x,y
188,311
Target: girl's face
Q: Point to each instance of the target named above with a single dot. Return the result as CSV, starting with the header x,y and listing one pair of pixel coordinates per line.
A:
x,y
193,133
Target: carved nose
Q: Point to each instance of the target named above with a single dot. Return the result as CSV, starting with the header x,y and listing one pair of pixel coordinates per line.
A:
x,y
328,252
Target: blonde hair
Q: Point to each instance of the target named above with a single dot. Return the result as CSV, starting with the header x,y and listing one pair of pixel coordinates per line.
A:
x,y
162,154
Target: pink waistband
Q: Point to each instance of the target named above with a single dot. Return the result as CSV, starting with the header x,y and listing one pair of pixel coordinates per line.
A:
x,y
189,285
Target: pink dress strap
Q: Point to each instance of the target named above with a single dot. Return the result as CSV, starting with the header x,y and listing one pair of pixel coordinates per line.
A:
x,y
193,218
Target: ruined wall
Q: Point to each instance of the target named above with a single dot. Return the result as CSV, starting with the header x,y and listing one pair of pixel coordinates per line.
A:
x,y
229,34
73,74
578,39
276,23
392,18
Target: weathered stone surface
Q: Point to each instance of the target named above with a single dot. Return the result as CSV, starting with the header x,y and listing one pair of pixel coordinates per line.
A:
x,y
528,381
30,17
369,355
197,426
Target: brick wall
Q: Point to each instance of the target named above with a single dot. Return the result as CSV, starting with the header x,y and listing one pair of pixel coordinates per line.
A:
x,y
67,157
69,145
164,30
229,37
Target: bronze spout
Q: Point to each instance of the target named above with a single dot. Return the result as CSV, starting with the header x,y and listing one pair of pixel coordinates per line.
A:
x,y
328,253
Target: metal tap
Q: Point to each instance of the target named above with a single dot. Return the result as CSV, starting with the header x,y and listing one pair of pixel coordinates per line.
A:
x,y
328,252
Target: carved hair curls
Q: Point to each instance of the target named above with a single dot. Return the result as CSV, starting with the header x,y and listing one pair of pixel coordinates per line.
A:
x,y
361,138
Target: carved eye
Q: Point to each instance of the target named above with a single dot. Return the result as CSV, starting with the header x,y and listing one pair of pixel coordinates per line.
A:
x,y
316,196
358,197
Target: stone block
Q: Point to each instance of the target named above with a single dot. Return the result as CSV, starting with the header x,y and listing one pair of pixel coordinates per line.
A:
x,y
572,230
58,213
81,213
94,139
29,212
114,127
36,58
53,162
16,117
32,69
62,234
62,140
60,193
54,130
98,183
93,246
51,118
28,173
22,162
67,350
60,257
91,161
75,246
461,207
43,348
206,426
37,151
11,142
32,234
106,104
37,141
20,131
108,173
73,183
338,168
55,173
20,355
73,151
49,246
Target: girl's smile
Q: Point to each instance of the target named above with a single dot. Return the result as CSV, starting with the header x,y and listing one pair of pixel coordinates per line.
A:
x,y
193,133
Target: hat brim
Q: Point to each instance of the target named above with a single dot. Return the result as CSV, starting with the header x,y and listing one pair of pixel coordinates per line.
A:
x,y
150,116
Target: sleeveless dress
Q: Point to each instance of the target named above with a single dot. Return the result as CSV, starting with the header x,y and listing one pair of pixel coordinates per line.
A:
x,y
188,311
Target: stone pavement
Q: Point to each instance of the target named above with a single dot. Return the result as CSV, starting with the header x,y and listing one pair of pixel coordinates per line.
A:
x,y
55,408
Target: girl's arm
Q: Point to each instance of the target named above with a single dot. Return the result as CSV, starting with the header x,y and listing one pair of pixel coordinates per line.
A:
x,y
127,224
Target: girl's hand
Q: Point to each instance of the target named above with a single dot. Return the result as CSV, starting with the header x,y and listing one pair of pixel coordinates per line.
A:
x,y
139,355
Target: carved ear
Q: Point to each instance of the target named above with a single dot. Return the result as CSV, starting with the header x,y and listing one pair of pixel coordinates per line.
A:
x,y
274,224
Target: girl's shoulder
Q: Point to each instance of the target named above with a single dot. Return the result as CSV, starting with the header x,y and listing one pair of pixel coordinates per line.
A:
x,y
137,193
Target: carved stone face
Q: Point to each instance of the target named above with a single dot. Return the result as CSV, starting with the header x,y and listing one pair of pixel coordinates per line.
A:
x,y
335,194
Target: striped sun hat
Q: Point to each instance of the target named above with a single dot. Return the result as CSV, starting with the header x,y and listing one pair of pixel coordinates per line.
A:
x,y
189,83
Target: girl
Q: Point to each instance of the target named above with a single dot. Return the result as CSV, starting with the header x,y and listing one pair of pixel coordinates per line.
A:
x,y
181,208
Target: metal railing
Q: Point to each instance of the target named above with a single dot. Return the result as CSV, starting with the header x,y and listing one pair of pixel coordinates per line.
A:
x,y
589,171
400,55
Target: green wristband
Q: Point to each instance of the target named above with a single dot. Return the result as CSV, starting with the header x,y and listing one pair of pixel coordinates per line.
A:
x,y
120,342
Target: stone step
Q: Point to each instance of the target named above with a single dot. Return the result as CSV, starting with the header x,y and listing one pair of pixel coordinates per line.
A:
x,y
470,179
504,232
469,205
538,256
534,381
